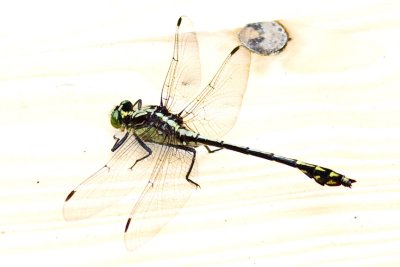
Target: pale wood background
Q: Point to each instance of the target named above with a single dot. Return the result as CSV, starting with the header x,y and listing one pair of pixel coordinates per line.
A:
x,y
331,98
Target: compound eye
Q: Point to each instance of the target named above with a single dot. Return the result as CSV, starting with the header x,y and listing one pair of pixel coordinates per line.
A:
x,y
115,119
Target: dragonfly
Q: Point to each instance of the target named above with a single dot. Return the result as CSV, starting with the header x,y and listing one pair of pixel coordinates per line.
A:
x,y
159,142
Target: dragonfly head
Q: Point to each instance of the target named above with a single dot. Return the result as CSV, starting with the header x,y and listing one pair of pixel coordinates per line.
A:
x,y
121,113
128,116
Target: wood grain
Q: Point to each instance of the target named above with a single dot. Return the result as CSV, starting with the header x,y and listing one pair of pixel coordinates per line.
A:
x,y
330,98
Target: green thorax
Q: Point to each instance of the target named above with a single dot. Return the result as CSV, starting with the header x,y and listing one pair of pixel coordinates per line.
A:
x,y
155,124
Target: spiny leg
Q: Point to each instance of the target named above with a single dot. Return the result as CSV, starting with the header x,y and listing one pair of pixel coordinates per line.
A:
x,y
138,103
119,142
212,150
145,147
193,152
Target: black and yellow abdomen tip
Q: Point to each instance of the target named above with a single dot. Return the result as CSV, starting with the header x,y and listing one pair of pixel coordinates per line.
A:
x,y
324,176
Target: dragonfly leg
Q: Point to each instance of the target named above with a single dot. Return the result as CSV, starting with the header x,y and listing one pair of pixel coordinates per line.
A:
x,y
119,142
138,103
192,151
212,150
145,147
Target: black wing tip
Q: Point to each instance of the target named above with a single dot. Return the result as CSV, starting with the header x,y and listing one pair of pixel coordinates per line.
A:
x,y
179,21
235,50
70,195
127,224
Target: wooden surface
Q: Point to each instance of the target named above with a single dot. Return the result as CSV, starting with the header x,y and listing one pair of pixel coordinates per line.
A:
x,y
331,98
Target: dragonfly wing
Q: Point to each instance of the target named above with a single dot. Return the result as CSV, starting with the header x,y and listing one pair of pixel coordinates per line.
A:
x,y
214,111
184,74
109,183
163,197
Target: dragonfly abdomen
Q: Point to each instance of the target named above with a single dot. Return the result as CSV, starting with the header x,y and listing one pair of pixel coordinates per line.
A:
x,y
321,175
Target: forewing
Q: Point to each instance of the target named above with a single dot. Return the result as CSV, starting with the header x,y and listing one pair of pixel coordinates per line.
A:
x,y
184,74
109,183
214,111
163,197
